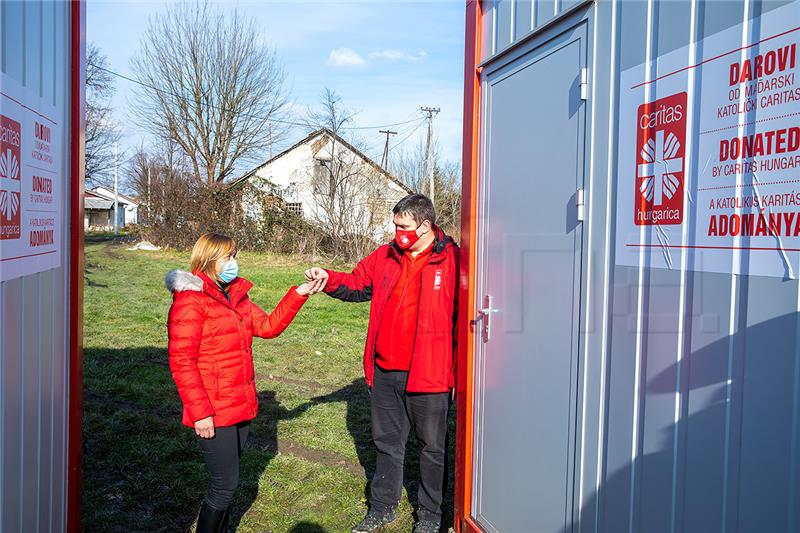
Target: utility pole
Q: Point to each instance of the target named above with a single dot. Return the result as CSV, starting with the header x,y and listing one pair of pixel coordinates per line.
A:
x,y
116,189
385,158
428,155
149,208
270,141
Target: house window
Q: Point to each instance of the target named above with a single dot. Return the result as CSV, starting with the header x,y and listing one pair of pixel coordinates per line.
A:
x,y
295,208
321,180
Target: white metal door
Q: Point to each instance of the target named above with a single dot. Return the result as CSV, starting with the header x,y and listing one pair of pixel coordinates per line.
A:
x,y
530,236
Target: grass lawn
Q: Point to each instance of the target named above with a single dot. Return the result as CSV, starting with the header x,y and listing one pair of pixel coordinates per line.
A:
x,y
309,456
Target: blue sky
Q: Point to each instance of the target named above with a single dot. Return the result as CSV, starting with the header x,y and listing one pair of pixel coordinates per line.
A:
x,y
385,59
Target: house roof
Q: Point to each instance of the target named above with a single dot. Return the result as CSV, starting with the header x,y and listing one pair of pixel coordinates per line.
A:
x,y
97,203
109,195
339,139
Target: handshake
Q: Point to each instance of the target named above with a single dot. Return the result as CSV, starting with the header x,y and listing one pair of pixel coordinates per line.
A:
x,y
316,279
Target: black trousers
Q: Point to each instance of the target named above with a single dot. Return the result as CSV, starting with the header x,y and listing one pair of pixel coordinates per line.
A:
x,y
222,453
394,413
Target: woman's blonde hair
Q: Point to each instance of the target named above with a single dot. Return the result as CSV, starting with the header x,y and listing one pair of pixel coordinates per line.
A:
x,y
208,249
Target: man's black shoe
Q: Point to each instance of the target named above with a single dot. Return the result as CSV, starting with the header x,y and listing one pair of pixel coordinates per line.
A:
x,y
426,526
375,521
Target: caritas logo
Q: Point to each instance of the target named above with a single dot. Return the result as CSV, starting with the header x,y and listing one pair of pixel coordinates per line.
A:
x,y
10,135
660,149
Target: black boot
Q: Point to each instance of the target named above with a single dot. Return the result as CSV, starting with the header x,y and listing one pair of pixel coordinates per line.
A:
x,y
375,520
211,520
223,528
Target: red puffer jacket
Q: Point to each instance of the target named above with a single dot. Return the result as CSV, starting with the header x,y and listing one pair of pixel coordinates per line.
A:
x,y
432,360
210,345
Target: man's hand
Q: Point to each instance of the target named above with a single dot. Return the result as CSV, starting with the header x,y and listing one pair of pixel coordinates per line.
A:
x,y
205,427
317,274
316,279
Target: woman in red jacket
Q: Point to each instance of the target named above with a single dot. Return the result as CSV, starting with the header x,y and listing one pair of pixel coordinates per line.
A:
x,y
211,327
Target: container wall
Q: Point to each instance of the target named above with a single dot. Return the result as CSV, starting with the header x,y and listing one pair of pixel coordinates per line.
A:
x,y
34,39
690,413
506,22
702,369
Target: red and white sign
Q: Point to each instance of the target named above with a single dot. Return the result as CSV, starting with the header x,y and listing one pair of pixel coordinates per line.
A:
x,y
9,178
31,183
660,148
715,153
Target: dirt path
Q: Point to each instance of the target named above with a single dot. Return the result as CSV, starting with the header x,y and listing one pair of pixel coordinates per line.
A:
x,y
167,416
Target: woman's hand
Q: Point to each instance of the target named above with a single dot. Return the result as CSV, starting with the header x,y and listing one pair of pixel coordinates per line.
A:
x,y
312,287
205,427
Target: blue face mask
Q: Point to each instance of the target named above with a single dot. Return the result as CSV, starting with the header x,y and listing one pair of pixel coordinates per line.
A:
x,y
230,271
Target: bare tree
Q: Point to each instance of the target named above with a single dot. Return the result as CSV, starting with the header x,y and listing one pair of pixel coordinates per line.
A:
x,y
409,166
162,180
102,130
350,197
209,83
176,208
447,180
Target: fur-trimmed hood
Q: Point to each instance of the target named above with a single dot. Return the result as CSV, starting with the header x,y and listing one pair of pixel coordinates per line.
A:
x,y
180,280
223,384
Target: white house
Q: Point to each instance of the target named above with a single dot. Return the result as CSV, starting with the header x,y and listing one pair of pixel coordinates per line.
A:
x,y
129,206
303,174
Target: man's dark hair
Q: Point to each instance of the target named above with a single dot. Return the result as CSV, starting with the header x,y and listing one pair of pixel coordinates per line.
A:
x,y
418,206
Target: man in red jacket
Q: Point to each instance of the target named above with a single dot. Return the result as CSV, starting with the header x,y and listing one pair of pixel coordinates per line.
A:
x,y
409,360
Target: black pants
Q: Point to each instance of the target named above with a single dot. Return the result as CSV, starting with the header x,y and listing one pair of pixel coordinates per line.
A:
x,y
222,453
394,413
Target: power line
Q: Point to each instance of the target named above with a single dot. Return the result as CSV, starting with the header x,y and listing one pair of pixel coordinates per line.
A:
x,y
275,120
374,147
404,130
377,146
407,120
409,135
179,97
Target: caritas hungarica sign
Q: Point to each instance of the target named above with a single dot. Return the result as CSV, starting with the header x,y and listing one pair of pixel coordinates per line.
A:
x,y
708,174
31,183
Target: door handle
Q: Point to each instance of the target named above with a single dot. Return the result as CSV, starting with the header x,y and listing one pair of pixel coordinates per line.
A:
x,y
484,314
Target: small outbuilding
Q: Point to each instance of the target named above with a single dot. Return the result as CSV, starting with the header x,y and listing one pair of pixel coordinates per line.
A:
x,y
98,213
129,206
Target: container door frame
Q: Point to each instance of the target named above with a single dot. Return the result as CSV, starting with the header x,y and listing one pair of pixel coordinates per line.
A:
x,y
474,160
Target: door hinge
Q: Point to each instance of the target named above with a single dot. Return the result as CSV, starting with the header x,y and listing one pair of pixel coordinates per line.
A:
x,y
580,203
584,83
